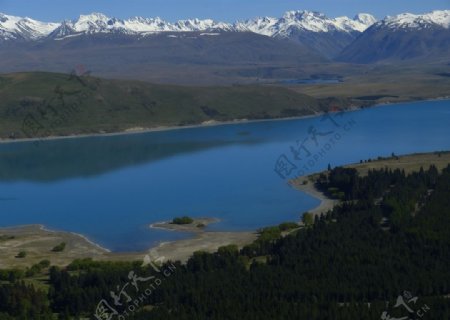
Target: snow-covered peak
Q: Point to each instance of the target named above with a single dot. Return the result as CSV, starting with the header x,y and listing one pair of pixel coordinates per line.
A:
x,y
94,16
303,15
419,21
365,18
194,24
318,22
263,25
306,21
8,23
144,25
360,23
95,23
8,26
99,23
201,25
12,27
66,28
36,29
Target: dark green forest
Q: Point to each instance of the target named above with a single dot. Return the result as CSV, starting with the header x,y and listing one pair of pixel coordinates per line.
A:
x,y
384,253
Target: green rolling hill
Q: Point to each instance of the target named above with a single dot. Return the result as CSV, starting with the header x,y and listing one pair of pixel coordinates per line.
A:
x,y
41,104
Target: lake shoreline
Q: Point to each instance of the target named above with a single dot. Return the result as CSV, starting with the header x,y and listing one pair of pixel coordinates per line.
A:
x,y
37,240
80,246
402,161
205,124
201,239
205,241
38,243
138,130
85,238
326,204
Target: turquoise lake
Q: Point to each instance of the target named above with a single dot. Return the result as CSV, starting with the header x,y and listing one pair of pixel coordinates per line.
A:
x,y
111,188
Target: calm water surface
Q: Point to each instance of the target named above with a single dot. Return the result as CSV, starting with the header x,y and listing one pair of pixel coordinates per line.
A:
x,y
111,188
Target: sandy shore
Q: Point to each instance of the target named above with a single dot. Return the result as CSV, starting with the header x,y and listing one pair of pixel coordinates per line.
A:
x,y
38,243
203,241
326,203
409,163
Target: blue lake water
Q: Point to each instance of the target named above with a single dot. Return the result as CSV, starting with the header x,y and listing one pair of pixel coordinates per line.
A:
x,y
111,188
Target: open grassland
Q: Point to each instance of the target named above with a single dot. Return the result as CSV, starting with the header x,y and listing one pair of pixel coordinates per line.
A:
x,y
38,243
386,84
409,163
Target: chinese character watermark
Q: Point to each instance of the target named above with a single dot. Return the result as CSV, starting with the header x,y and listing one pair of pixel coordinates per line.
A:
x,y
409,308
128,298
319,141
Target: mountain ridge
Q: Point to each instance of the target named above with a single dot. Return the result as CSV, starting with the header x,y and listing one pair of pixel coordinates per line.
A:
x,y
404,37
15,28
304,36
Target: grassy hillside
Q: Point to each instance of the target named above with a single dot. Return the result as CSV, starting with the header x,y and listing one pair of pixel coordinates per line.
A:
x,y
49,104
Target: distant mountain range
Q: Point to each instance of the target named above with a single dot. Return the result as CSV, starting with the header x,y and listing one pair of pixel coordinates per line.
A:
x,y
325,35
17,28
403,37
114,46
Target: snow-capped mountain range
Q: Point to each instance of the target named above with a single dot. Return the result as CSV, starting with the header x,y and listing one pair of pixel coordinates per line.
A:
x,y
306,21
296,37
402,38
12,27
407,20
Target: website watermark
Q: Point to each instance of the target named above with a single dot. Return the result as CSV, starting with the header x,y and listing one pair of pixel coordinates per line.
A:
x,y
128,298
408,308
318,142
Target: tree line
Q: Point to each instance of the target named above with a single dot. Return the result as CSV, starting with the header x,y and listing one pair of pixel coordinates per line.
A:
x,y
387,238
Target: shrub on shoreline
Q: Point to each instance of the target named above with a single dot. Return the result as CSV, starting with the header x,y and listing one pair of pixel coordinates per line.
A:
x,y
183,220
21,254
60,247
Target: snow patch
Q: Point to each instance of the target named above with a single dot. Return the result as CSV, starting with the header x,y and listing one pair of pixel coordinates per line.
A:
x,y
418,21
210,34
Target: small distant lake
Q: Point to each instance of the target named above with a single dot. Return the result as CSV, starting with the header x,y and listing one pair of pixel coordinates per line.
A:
x,y
111,188
311,81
